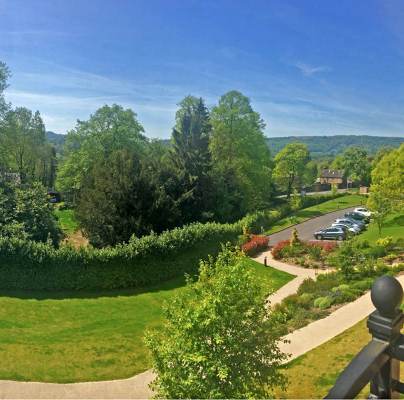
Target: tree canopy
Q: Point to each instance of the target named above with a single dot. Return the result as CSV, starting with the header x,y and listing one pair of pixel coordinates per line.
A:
x,y
110,128
217,340
241,158
355,163
290,166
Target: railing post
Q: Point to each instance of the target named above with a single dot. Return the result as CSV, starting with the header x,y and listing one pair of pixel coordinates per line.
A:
x,y
384,325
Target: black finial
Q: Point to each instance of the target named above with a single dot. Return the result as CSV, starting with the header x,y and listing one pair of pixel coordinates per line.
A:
x,y
386,295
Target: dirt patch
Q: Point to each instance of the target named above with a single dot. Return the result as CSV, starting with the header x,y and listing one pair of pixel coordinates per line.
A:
x,y
76,239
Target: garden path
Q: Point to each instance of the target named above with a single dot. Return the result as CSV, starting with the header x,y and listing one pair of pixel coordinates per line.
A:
x,y
291,287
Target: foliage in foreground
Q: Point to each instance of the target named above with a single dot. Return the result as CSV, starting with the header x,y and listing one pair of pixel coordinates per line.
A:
x,y
217,340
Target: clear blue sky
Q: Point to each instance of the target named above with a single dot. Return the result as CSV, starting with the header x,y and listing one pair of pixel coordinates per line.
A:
x,y
309,67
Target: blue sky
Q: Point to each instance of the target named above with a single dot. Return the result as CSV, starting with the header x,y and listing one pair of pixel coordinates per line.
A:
x,y
309,67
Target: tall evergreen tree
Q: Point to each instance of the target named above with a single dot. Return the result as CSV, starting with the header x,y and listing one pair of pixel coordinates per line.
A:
x,y
191,157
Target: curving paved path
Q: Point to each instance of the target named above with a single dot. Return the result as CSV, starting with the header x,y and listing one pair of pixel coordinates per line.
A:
x,y
136,387
292,286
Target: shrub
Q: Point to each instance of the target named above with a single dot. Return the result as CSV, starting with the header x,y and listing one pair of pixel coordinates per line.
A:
x,y
323,302
255,245
321,286
277,249
327,247
314,252
344,296
294,239
386,242
377,251
362,285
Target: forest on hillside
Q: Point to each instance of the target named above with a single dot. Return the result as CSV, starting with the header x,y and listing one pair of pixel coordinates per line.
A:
x,y
321,146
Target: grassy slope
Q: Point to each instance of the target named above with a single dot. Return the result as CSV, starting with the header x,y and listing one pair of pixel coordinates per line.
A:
x,y
71,339
315,211
313,374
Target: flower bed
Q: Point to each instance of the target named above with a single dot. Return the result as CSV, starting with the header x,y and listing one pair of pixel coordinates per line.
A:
x,y
308,254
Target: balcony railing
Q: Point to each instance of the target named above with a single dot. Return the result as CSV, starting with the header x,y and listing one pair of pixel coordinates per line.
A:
x,y
378,363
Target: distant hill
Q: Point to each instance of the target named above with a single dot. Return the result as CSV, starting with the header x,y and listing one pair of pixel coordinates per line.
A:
x,y
320,146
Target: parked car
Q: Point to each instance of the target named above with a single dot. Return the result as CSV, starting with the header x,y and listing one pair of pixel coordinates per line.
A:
x,y
350,228
356,216
350,222
332,232
364,211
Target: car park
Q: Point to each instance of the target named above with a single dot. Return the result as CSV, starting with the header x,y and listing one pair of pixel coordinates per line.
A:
x,y
350,222
333,232
350,228
364,211
357,216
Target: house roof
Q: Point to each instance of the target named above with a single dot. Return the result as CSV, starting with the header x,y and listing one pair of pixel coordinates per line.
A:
x,y
332,173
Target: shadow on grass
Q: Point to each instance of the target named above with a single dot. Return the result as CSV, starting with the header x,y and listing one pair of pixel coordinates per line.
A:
x,y
309,213
92,294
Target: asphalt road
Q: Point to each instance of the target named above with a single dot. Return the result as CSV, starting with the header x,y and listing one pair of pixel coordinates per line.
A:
x,y
306,229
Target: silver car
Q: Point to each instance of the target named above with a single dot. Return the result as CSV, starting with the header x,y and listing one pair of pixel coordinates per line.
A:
x,y
350,228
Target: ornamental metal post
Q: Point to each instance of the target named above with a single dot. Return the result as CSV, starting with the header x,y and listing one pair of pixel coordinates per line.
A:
x,y
384,325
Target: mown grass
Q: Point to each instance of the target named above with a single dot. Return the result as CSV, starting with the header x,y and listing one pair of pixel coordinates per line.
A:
x,y
312,375
74,337
67,220
317,210
393,226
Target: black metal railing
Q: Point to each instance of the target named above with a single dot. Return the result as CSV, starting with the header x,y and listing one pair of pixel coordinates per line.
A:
x,y
378,363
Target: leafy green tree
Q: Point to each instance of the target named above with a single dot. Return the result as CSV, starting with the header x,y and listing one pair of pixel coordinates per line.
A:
x,y
25,212
191,158
310,173
22,138
290,165
387,189
380,205
109,129
217,340
356,165
240,155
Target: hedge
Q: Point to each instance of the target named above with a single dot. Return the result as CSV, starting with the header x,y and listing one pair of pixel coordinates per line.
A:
x,y
142,262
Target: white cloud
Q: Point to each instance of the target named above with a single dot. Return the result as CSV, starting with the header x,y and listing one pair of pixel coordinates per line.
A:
x,y
309,70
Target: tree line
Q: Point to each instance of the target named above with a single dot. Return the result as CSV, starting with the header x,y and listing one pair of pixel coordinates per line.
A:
x,y
217,166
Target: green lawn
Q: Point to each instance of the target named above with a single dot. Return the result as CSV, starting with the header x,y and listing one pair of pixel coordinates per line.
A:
x,y
313,374
393,226
67,220
88,336
317,210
